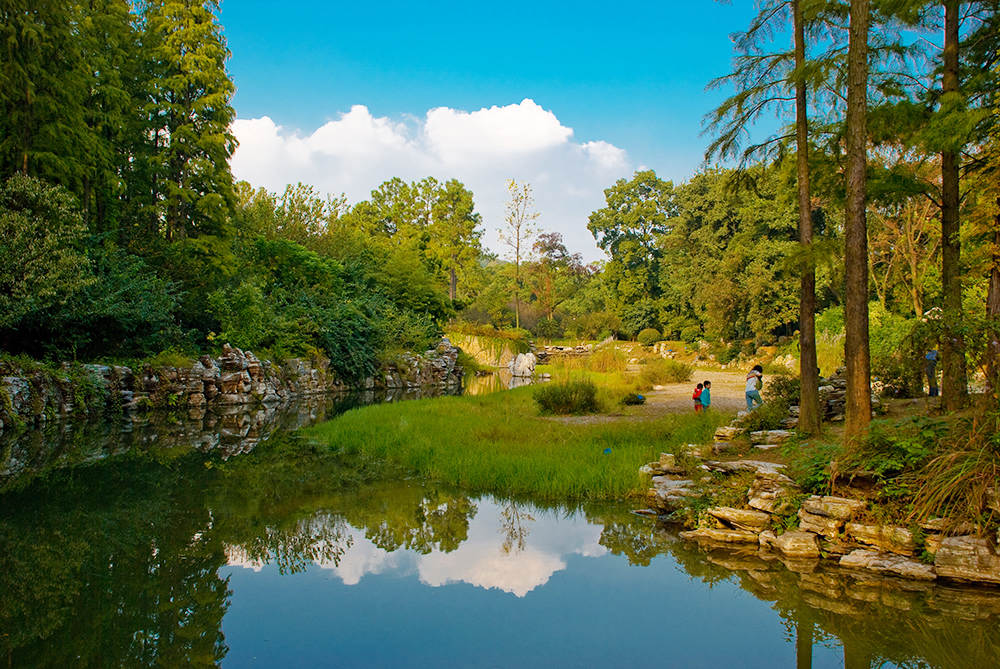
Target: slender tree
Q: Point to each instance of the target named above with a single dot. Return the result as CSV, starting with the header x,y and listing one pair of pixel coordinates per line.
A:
x,y
519,229
454,235
856,345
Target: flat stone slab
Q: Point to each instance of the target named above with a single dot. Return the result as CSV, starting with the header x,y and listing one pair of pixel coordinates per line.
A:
x,y
841,508
771,469
765,447
886,537
721,536
741,519
888,563
968,558
771,436
727,433
827,527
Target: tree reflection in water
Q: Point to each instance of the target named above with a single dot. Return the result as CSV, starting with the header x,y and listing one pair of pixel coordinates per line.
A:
x,y
118,563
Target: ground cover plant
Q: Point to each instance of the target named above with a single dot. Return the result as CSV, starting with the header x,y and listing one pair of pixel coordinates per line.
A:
x,y
498,444
569,397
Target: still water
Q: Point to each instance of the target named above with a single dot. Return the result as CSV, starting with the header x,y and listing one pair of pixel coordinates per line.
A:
x,y
285,555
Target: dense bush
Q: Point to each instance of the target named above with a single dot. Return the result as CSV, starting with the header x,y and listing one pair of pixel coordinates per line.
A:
x,y
571,397
648,337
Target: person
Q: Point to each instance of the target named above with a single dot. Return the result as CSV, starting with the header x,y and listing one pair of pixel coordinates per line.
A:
x,y
755,380
696,396
930,363
706,395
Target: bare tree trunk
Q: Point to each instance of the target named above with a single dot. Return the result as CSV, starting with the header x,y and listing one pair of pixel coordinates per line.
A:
x,y
856,346
453,280
953,373
808,373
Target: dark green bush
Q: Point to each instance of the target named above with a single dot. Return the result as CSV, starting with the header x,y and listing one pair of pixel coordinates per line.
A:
x,y
569,398
633,399
648,337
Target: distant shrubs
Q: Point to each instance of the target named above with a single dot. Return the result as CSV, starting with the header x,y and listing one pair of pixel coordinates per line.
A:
x,y
648,337
664,370
768,416
569,398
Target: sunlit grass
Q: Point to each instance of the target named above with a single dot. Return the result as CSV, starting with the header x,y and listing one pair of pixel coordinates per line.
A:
x,y
498,444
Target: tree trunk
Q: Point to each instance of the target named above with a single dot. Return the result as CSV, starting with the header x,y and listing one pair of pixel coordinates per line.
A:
x,y
856,346
993,311
808,375
953,373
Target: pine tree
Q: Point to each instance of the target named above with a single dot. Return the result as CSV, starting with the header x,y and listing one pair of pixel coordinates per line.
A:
x,y
189,115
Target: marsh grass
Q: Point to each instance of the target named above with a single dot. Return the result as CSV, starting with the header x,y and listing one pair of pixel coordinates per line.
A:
x,y
498,444
658,371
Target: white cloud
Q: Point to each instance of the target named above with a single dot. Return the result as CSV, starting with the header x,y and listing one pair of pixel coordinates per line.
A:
x,y
356,152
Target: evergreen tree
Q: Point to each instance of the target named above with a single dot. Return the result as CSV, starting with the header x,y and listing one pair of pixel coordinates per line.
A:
x,y
190,114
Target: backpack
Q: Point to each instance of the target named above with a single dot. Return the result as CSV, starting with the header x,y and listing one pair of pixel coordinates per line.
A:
x,y
696,394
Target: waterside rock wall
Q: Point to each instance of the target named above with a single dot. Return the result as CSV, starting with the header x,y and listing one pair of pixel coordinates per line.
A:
x,y
236,378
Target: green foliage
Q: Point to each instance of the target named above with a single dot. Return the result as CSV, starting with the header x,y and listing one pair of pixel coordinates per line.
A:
x,y
809,464
768,416
567,398
658,371
41,233
633,399
648,337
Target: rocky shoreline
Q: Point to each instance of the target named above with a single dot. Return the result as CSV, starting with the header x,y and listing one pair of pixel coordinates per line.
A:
x,y
235,378
773,517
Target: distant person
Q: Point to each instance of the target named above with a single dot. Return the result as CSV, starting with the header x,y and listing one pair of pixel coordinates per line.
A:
x,y
755,381
706,395
696,396
930,366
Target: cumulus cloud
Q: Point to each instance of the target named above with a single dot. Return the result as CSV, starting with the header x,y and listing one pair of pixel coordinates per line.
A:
x,y
356,152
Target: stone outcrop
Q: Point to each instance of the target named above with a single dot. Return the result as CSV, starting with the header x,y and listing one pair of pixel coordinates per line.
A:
x,y
235,378
888,563
741,519
885,537
968,558
721,536
794,544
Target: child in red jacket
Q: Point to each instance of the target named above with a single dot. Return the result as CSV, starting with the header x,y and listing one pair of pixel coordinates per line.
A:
x,y
696,396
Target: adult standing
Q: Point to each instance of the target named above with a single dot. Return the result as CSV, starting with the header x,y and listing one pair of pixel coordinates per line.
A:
x,y
755,381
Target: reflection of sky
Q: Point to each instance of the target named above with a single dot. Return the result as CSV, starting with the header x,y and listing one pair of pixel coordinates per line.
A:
x,y
480,560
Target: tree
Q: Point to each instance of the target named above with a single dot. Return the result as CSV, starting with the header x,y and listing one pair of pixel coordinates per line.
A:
x,y
856,344
41,232
43,84
454,234
557,274
190,117
519,222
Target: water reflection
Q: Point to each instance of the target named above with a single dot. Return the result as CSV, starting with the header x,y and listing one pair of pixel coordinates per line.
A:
x,y
292,555
499,380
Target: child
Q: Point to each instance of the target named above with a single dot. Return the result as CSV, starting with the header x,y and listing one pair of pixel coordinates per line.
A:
x,y
754,383
706,395
696,396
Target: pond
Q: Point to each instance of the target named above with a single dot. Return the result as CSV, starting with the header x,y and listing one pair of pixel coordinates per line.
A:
x,y
285,554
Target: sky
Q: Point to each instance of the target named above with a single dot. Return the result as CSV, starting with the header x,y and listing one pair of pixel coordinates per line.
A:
x,y
568,97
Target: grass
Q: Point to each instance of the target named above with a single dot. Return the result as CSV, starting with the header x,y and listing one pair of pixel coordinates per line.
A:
x,y
498,444
658,371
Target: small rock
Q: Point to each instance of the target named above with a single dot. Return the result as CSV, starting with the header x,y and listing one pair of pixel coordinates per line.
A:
x,y
771,436
765,447
727,433
811,522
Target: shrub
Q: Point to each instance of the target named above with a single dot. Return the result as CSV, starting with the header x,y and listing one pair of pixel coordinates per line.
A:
x,y
648,337
605,360
633,399
768,416
548,328
664,370
782,388
571,397
691,334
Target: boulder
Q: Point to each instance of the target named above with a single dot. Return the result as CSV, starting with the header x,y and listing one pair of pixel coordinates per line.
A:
x,y
523,365
669,494
947,526
712,535
758,466
968,558
741,519
886,537
727,433
794,544
888,563
821,525
829,506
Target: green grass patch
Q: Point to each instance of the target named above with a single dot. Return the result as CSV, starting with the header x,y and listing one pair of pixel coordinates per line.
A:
x,y
569,398
498,444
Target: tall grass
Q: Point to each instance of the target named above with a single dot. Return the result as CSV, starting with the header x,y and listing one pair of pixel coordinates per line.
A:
x,y
658,371
497,444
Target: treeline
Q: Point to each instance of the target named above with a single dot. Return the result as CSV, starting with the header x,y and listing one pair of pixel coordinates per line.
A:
x,y
123,234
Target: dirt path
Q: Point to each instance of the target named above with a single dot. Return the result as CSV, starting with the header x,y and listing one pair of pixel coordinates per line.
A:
x,y
727,397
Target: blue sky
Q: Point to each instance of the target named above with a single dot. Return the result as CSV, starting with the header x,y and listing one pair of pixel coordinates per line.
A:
x,y
631,75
